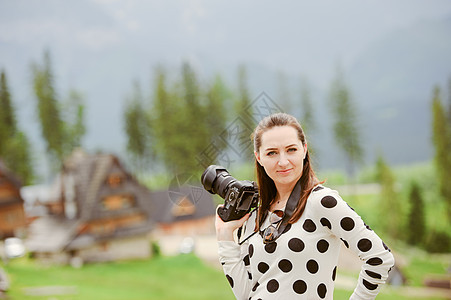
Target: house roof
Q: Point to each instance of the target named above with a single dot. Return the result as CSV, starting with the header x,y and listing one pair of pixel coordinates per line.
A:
x,y
165,202
9,175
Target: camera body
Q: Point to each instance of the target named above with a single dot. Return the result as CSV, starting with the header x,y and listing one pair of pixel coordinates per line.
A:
x,y
239,196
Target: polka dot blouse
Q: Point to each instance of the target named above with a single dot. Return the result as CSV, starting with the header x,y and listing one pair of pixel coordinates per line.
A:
x,y
302,262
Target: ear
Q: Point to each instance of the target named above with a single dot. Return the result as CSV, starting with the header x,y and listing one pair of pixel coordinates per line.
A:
x,y
257,157
305,150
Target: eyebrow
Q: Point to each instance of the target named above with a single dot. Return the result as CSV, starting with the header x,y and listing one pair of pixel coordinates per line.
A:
x,y
275,148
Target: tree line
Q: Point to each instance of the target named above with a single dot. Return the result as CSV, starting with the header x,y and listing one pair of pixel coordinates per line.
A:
x,y
183,116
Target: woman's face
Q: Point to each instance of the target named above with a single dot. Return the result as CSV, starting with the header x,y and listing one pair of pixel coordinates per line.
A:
x,y
282,154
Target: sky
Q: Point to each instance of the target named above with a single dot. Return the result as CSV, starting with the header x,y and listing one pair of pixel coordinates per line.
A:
x,y
107,44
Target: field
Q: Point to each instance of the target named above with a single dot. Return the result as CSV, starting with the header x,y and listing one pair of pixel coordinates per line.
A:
x,y
189,277
162,278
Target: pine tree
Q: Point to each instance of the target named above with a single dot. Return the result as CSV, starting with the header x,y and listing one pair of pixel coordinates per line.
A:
x,y
74,121
416,221
216,119
441,137
307,113
8,126
14,145
346,129
52,125
136,129
283,93
246,122
389,204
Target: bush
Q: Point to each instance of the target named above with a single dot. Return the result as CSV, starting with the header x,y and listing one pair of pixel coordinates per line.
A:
x,y
438,242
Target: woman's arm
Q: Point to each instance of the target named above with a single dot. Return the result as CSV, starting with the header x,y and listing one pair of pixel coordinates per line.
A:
x,y
233,257
347,225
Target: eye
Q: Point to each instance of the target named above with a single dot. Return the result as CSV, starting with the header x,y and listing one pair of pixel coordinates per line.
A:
x,y
271,153
292,149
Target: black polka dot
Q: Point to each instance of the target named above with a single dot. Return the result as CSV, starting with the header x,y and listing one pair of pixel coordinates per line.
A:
x,y
318,188
251,250
334,273
375,261
312,266
364,245
255,287
230,280
246,260
373,274
271,247
367,226
369,285
322,290
272,286
263,267
285,265
322,246
329,202
309,226
347,223
287,228
249,275
299,286
385,247
345,242
296,245
325,222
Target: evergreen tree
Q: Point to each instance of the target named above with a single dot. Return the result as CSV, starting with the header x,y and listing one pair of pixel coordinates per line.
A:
x,y
441,136
18,157
245,116
216,119
167,126
62,129
416,222
345,127
52,125
8,126
307,113
283,95
14,146
136,129
74,122
389,203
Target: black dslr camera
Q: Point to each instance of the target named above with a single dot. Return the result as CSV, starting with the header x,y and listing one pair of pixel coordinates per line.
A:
x,y
240,196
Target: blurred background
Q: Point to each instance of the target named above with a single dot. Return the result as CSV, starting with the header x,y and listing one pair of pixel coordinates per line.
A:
x,y
110,110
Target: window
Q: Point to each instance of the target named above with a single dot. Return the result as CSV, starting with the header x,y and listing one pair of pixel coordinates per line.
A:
x,y
117,202
184,207
114,180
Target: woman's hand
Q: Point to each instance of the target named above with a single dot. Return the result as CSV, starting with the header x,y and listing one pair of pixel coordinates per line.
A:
x,y
224,230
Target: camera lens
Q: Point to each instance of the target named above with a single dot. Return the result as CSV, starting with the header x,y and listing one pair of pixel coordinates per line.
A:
x,y
216,179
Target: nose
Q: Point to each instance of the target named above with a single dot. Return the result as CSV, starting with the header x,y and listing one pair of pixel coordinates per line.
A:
x,y
283,161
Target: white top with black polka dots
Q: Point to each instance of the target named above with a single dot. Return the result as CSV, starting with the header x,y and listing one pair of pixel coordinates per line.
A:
x,y
302,262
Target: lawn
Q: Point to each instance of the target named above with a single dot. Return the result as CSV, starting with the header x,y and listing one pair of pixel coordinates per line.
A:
x,y
162,278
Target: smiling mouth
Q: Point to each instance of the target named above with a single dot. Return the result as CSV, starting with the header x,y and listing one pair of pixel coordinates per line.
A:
x,y
285,171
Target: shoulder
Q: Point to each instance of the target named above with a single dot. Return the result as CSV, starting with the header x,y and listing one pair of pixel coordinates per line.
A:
x,y
323,197
321,193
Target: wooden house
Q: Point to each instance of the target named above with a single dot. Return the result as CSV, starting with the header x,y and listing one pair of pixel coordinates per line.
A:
x,y
12,217
101,214
184,211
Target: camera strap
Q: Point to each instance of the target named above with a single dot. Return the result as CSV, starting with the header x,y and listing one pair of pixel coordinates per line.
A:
x,y
291,206
248,229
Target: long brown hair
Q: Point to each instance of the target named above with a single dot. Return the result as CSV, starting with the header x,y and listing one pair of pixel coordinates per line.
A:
x,y
267,187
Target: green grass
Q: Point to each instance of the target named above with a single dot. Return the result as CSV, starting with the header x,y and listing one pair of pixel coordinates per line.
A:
x,y
165,278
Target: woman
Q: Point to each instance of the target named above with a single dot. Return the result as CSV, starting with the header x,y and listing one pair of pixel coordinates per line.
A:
x,y
289,247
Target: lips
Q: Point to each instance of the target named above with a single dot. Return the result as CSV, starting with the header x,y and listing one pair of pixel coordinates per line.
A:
x,y
284,172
